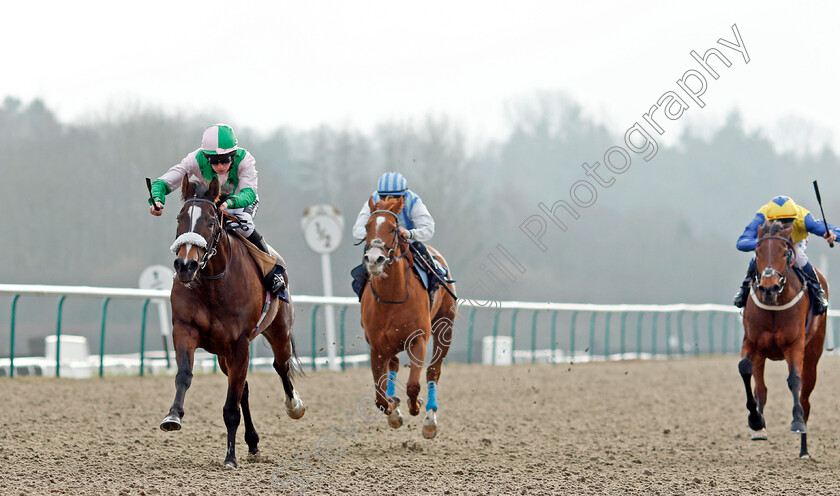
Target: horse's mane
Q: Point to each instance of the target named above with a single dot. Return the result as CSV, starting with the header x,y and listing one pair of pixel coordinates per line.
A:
x,y
202,190
775,227
386,204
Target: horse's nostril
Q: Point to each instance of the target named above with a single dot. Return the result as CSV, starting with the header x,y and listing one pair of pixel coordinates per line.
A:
x,y
380,259
192,265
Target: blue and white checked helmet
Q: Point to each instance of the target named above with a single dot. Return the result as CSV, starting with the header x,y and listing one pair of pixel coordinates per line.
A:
x,y
392,183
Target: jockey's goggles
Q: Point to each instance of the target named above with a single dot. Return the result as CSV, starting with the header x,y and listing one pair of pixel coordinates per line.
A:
x,y
219,159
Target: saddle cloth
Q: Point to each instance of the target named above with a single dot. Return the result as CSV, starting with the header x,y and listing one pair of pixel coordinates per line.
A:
x,y
264,261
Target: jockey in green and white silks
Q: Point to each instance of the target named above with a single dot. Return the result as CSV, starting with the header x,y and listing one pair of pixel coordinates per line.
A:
x,y
415,221
221,157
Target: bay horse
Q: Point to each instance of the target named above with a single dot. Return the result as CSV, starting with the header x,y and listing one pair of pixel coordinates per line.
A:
x,y
217,302
778,325
398,315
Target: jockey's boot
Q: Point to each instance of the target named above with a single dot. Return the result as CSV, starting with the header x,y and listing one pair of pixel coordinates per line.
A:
x,y
815,288
741,296
427,257
273,281
360,277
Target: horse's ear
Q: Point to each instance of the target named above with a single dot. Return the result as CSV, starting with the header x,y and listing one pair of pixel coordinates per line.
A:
x,y
213,193
370,204
187,190
398,205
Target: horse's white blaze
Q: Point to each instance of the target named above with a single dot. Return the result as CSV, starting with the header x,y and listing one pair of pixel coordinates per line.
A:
x,y
379,221
195,214
190,238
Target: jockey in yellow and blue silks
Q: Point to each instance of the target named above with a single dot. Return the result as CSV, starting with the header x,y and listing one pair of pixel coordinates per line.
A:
x,y
804,223
416,225
221,157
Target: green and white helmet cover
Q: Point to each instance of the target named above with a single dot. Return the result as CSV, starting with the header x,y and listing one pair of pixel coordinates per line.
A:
x,y
219,139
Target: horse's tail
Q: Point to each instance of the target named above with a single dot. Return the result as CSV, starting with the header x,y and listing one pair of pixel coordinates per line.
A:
x,y
295,367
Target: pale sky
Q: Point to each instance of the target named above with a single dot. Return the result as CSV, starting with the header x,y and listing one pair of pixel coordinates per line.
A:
x,y
265,64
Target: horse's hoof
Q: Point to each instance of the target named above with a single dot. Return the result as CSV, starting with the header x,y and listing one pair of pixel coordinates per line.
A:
x,y
296,414
414,406
295,407
756,422
395,419
797,427
760,435
230,464
170,423
430,425
806,456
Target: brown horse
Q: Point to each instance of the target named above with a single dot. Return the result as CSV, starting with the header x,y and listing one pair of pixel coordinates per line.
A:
x,y
397,315
217,302
777,325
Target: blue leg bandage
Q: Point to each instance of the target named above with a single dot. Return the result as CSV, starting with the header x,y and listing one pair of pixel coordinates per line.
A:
x,y
390,390
432,403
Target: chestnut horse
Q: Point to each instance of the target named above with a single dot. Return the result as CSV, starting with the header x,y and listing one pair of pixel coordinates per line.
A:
x,y
397,315
217,302
778,325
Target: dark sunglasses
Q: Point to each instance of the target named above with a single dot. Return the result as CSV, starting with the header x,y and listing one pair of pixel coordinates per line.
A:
x,y
219,159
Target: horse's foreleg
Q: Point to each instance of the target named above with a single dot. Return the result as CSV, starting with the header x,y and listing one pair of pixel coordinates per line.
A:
x,y
393,369
809,380
754,419
237,364
794,356
416,349
379,367
251,436
185,343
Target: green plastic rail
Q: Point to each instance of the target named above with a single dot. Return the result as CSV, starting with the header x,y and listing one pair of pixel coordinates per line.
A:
x,y
470,335
102,338
534,336
143,336
314,337
12,338
58,338
343,309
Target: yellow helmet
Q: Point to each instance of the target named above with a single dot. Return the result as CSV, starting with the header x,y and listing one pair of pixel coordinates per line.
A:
x,y
781,207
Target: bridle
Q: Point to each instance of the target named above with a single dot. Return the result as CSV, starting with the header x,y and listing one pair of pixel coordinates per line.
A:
x,y
215,235
378,243
770,271
389,259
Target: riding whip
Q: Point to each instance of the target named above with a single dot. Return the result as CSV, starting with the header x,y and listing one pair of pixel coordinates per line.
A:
x,y
154,204
819,202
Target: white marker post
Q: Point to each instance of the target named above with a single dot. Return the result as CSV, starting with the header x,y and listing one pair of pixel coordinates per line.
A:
x,y
160,277
322,227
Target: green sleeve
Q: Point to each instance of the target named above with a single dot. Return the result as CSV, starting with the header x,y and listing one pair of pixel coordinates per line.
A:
x,y
242,199
159,191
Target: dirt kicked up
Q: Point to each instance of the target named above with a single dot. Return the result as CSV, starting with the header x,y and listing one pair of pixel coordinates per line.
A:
x,y
658,427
